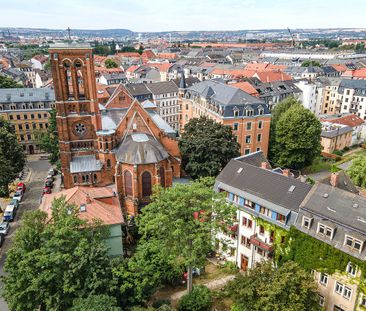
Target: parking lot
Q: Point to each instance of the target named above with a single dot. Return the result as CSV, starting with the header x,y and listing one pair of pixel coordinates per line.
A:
x,y
31,199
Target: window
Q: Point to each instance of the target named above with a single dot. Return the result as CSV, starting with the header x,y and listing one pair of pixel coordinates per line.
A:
x,y
363,301
248,139
338,288
128,182
259,138
250,223
11,117
34,126
162,176
236,113
18,117
39,116
244,221
351,269
260,251
29,137
146,184
75,179
235,126
347,293
20,126
353,243
249,126
21,137
108,163
25,117
32,116
321,300
323,279
261,229
324,230
246,151
306,222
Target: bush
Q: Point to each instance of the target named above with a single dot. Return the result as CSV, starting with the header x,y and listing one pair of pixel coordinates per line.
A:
x,y
200,299
230,267
346,148
338,152
161,302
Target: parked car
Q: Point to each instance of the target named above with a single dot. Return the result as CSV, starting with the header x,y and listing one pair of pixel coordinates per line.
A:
x,y
48,183
14,203
2,239
21,187
18,195
52,172
9,213
4,228
49,176
47,190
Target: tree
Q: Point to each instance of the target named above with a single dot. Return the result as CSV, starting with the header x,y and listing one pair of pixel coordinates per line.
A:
x,y
297,138
95,303
311,63
266,288
200,299
48,140
8,83
206,147
110,63
136,279
357,171
12,158
183,220
277,112
54,261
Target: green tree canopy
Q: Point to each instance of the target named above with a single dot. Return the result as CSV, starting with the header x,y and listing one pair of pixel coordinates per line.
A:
x,y
265,288
95,303
12,158
206,147
311,63
110,63
183,219
357,171
48,140
8,83
53,262
200,299
296,138
277,112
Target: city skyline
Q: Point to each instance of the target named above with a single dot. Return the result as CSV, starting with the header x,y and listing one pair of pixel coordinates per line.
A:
x,y
161,15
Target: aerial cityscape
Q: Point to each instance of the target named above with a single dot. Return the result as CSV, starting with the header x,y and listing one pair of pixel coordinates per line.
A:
x,y
190,156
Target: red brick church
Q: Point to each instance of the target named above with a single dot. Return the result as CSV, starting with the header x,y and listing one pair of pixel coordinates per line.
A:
x,y
124,142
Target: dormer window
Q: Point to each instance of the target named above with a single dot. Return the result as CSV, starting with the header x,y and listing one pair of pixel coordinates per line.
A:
x,y
351,269
236,112
325,231
353,243
306,222
249,112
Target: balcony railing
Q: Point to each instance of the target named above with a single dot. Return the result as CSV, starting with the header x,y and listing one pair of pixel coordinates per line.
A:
x,y
257,242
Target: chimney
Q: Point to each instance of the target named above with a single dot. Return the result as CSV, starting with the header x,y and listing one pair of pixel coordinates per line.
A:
x,y
334,179
286,172
88,200
265,165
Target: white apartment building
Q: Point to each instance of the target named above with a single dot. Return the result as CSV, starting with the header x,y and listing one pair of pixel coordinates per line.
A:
x,y
352,97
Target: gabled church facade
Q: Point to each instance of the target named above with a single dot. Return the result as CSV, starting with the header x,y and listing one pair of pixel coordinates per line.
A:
x,y
124,142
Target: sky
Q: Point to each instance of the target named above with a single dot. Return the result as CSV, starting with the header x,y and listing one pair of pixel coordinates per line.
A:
x,y
171,15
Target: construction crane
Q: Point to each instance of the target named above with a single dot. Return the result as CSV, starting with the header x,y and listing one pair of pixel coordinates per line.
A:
x,y
292,37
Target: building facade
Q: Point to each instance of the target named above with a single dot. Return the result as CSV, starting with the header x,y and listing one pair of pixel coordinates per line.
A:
x,y
126,145
28,111
352,95
335,137
248,116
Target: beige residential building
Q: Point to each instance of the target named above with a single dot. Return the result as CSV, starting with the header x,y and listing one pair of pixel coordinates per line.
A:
x,y
331,100
335,137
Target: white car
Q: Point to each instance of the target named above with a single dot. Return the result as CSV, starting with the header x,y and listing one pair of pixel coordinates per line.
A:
x,y
14,203
4,228
18,196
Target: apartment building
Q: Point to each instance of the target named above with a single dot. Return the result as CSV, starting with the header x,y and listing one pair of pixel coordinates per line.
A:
x,y
331,103
335,137
270,203
353,97
259,193
248,116
27,110
338,218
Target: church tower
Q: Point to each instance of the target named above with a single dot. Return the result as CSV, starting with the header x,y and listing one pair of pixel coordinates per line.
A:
x,y
78,116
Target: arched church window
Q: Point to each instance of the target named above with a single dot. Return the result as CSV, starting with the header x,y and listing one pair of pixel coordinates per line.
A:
x,y
146,184
108,163
127,176
162,176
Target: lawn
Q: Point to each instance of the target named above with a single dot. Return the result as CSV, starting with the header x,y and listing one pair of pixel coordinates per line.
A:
x,y
319,164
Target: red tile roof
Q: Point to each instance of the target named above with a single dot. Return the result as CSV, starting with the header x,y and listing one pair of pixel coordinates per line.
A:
x,y
162,67
350,120
246,87
340,67
129,54
271,76
100,202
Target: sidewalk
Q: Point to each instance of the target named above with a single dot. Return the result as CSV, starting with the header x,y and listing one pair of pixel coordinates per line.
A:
x,y
214,284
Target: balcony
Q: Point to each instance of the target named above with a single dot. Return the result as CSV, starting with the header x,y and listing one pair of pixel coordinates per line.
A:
x,y
257,242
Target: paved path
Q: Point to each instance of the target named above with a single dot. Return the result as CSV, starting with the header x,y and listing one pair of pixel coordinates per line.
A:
x,y
39,170
214,284
319,175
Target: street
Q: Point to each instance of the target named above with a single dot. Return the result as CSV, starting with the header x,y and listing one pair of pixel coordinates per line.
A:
x,y
38,170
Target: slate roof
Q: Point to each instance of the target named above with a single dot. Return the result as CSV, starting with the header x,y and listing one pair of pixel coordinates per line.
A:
x,y
264,184
227,97
277,88
188,81
162,87
86,163
254,158
340,209
27,95
140,148
137,89
335,131
358,85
